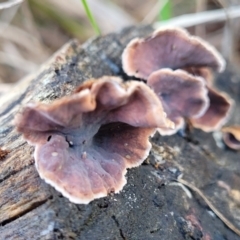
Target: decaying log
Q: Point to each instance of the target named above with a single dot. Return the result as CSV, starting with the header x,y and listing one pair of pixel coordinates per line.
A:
x,y
151,205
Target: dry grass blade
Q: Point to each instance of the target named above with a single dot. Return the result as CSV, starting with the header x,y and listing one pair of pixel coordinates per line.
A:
x,y
17,62
190,20
108,15
151,16
201,6
210,205
24,39
10,4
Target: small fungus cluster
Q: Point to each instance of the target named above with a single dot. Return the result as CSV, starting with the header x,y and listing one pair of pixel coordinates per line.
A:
x,y
178,67
84,142
231,136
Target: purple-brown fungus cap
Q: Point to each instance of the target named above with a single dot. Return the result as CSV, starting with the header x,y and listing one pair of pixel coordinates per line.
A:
x,y
231,136
203,72
217,113
182,95
85,142
169,48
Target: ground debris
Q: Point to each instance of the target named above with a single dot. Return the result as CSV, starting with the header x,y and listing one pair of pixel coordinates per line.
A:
x,y
3,153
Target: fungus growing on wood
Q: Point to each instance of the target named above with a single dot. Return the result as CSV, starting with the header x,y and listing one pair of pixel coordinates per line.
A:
x,y
85,142
203,72
231,136
182,96
169,48
217,113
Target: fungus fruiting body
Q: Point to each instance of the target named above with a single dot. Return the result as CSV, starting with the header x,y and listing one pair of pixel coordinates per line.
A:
x,y
231,136
182,95
217,114
187,91
204,72
85,142
169,48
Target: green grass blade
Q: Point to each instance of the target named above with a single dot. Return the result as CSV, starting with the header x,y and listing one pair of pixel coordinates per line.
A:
x,y
90,17
166,11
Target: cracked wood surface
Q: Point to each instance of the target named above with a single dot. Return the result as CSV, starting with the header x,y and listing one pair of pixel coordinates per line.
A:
x,y
148,207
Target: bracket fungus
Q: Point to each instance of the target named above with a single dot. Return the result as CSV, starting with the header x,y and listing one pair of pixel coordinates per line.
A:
x,y
169,48
182,96
220,104
182,92
84,142
203,72
217,114
231,136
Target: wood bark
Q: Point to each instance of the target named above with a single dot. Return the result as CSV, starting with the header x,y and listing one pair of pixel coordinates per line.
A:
x,y
151,205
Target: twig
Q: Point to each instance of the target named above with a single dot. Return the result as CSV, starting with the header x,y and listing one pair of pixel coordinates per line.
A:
x,y
189,20
184,188
210,205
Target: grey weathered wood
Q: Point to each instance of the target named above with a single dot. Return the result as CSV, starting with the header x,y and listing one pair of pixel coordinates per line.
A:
x,y
147,208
